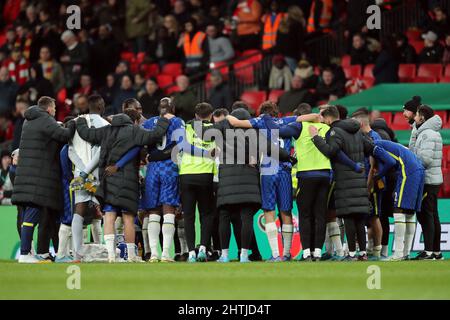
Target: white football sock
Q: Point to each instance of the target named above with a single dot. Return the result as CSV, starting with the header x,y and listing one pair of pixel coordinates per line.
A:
x,y
429,253
244,253
317,253
131,249
202,249
370,246
376,251
272,236
352,253
340,223
182,236
110,246
384,251
168,231
64,236
328,244
85,235
399,234
306,253
409,233
334,234
145,235
118,226
287,231
77,234
154,228
225,253
192,254
96,229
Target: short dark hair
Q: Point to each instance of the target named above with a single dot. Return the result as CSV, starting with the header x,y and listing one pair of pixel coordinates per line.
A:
x,y
361,112
133,114
269,107
44,102
220,112
426,111
166,103
303,108
203,110
239,105
343,112
130,103
96,103
330,111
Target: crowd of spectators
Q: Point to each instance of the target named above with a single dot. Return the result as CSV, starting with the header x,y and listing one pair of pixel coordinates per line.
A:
x,y
39,56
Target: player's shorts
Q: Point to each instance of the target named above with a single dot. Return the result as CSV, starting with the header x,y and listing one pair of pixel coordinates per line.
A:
x,y
276,190
161,185
84,196
111,208
408,191
375,199
330,200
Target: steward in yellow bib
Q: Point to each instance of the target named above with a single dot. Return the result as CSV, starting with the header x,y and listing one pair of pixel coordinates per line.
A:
x,y
196,183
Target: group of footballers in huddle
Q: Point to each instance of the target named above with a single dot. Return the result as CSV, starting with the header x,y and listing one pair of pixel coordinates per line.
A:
x,y
324,169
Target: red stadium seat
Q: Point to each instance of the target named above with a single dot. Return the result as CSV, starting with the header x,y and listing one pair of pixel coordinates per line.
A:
x,y
254,99
140,57
430,70
128,56
413,34
399,122
174,69
418,45
346,61
252,55
244,72
444,79
368,71
61,95
446,184
164,80
368,82
407,71
172,89
442,114
446,155
447,71
423,79
274,95
387,116
150,69
352,71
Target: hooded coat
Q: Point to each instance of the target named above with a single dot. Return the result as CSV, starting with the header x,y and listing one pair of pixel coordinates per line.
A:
x,y
351,187
426,143
38,176
122,188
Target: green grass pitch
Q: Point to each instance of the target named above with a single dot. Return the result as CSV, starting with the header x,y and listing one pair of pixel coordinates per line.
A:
x,y
294,280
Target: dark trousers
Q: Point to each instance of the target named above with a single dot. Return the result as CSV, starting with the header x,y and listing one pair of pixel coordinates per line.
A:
x,y
48,230
243,229
31,216
312,208
215,227
355,229
428,218
192,195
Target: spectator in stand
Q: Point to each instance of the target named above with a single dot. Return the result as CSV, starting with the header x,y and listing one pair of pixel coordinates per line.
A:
x,y
108,91
85,86
37,86
292,98
247,14
6,187
219,47
271,22
290,36
386,64
306,71
125,92
184,100
24,39
220,95
172,26
165,49
180,12
328,88
18,67
320,17
359,52
136,26
280,77
139,84
112,13
193,43
6,132
105,54
74,60
21,106
440,24
8,46
151,98
8,92
407,52
46,34
80,105
52,70
122,69
446,54
433,51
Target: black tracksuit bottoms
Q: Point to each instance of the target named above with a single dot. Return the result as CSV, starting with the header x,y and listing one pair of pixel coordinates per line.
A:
x,y
428,218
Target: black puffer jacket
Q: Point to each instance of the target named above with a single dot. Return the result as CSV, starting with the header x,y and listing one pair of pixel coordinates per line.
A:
x,y
351,187
122,188
38,174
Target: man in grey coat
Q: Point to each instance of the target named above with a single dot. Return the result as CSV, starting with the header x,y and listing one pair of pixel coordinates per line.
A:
x,y
426,144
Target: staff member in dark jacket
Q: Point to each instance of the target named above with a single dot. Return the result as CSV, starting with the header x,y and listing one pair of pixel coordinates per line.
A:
x,y
351,199
386,64
119,191
37,182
